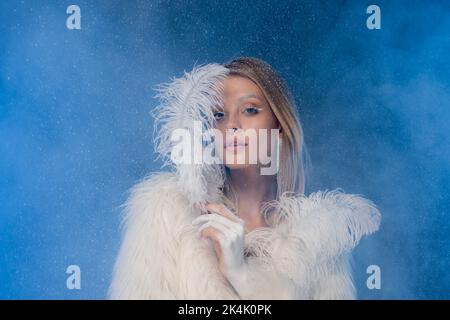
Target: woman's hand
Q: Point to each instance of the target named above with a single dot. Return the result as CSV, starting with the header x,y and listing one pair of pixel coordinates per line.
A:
x,y
228,234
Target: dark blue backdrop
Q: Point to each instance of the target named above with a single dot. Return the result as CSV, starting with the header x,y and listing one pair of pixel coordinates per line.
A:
x,y
75,130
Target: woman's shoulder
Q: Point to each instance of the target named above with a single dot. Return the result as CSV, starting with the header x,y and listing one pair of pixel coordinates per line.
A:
x,y
155,194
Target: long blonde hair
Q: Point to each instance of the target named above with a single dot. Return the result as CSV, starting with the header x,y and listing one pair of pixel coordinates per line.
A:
x,y
294,157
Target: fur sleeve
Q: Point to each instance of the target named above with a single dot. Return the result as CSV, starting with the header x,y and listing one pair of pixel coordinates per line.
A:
x,y
146,264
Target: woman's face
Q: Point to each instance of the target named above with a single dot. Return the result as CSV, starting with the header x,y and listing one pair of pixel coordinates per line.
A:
x,y
246,110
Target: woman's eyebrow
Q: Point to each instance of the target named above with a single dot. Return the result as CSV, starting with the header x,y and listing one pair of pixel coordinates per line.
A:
x,y
251,95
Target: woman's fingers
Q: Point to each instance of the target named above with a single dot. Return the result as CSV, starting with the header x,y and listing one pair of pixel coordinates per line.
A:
x,y
221,225
210,232
218,232
220,219
220,209
224,211
228,237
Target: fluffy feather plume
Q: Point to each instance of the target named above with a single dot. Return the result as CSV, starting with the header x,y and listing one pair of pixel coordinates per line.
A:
x,y
185,101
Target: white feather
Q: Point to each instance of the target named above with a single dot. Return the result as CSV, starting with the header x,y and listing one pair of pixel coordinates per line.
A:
x,y
184,101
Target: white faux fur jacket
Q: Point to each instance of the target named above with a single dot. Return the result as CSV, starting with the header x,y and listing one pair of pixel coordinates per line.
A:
x,y
304,257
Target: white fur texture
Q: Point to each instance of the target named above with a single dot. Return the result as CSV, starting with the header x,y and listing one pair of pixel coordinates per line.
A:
x,y
304,255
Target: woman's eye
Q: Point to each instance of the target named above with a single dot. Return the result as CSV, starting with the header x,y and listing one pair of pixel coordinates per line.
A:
x,y
219,115
251,110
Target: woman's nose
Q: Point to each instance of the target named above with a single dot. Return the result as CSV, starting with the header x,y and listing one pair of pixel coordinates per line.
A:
x,y
233,124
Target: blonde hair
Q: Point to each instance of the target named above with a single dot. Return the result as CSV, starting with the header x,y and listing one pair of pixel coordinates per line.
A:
x,y
291,176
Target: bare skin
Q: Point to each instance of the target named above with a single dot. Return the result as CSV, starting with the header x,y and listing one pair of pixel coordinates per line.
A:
x,y
245,107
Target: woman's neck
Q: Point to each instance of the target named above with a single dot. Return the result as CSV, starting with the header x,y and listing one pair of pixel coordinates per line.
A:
x,y
252,189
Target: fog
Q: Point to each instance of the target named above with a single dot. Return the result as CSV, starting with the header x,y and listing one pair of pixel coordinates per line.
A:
x,y
76,134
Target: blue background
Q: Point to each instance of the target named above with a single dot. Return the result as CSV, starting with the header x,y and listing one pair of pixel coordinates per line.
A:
x,y
75,129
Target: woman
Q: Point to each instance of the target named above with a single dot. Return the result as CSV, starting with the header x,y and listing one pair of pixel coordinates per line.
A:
x,y
229,229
